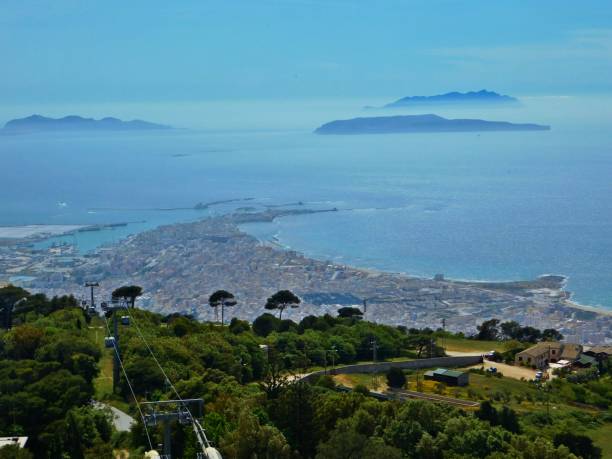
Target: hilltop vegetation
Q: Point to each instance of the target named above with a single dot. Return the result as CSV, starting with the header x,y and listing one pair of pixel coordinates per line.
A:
x,y
47,368
50,370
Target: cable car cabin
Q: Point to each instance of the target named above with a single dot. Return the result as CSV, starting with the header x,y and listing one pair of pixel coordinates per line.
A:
x,y
91,309
104,305
125,320
212,453
109,341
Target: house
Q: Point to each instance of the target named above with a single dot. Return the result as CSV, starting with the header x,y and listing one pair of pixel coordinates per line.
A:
x,y
543,353
600,352
585,361
450,377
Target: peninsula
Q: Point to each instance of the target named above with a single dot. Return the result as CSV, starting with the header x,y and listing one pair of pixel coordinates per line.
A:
x,y
420,123
482,97
179,265
38,123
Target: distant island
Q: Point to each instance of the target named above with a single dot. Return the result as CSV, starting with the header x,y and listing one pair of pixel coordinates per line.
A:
x,y
36,123
420,123
483,97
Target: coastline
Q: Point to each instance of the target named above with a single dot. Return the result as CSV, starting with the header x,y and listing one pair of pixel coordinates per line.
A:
x,y
543,289
275,242
22,233
197,257
595,309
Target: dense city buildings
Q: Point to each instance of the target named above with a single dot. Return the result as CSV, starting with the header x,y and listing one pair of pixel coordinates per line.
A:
x,y
180,265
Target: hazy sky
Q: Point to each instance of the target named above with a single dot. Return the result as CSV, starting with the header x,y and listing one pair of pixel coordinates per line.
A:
x,y
72,51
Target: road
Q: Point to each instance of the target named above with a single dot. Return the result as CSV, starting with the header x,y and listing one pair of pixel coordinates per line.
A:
x,y
464,354
122,421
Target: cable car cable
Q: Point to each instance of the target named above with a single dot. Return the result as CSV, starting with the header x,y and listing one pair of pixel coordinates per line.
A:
x,y
206,443
130,386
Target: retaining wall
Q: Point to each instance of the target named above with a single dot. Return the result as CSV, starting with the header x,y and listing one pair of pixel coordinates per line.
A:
x,y
382,367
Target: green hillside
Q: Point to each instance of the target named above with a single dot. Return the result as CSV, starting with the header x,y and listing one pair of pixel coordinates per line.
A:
x,y
53,362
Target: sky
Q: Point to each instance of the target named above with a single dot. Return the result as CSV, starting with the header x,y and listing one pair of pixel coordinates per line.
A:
x,y
80,51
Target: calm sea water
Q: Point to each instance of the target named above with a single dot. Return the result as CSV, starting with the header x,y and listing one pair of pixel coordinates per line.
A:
x,y
494,206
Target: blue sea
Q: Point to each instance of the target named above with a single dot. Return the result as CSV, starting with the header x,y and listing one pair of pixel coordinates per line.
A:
x,y
490,206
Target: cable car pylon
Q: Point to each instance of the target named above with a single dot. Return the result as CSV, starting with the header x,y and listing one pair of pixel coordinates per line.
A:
x,y
181,413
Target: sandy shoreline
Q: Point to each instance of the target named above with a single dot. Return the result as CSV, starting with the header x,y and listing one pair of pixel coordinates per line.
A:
x,y
276,243
594,309
29,231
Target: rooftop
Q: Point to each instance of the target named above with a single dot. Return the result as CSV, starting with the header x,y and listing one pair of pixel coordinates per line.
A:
x,y
8,441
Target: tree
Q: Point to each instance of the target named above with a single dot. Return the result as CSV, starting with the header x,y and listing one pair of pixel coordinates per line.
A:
x,y
23,341
282,300
487,412
265,324
511,329
396,377
508,420
424,342
488,330
350,313
15,452
580,445
251,439
550,334
238,326
293,413
275,379
346,443
221,298
128,293
9,295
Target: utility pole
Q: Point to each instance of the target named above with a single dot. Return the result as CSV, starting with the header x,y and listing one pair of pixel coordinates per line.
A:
x,y
325,360
444,333
333,356
374,349
365,307
91,286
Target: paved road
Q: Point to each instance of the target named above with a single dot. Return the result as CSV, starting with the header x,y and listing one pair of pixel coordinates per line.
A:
x,y
464,354
122,421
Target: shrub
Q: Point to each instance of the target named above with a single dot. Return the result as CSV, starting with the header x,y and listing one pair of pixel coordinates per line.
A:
x,y
396,377
361,389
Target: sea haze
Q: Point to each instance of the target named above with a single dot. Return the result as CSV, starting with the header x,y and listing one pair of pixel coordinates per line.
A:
x,y
495,206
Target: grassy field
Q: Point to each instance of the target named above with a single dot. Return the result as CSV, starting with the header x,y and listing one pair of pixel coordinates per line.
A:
x,y
373,381
521,396
603,439
103,384
469,345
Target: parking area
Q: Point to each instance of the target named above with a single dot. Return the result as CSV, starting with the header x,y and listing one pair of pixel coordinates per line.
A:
x,y
509,371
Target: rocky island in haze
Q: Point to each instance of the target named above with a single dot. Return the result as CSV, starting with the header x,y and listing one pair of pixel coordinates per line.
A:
x,y
420,123
455,98
35,123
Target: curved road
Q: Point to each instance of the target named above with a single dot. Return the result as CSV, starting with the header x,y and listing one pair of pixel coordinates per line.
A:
x,y
122,421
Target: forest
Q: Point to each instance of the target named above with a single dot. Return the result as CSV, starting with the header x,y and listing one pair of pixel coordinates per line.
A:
x,y
53,364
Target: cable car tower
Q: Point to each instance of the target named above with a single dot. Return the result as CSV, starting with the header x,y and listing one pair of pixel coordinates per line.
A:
x,y
153,413
166,411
